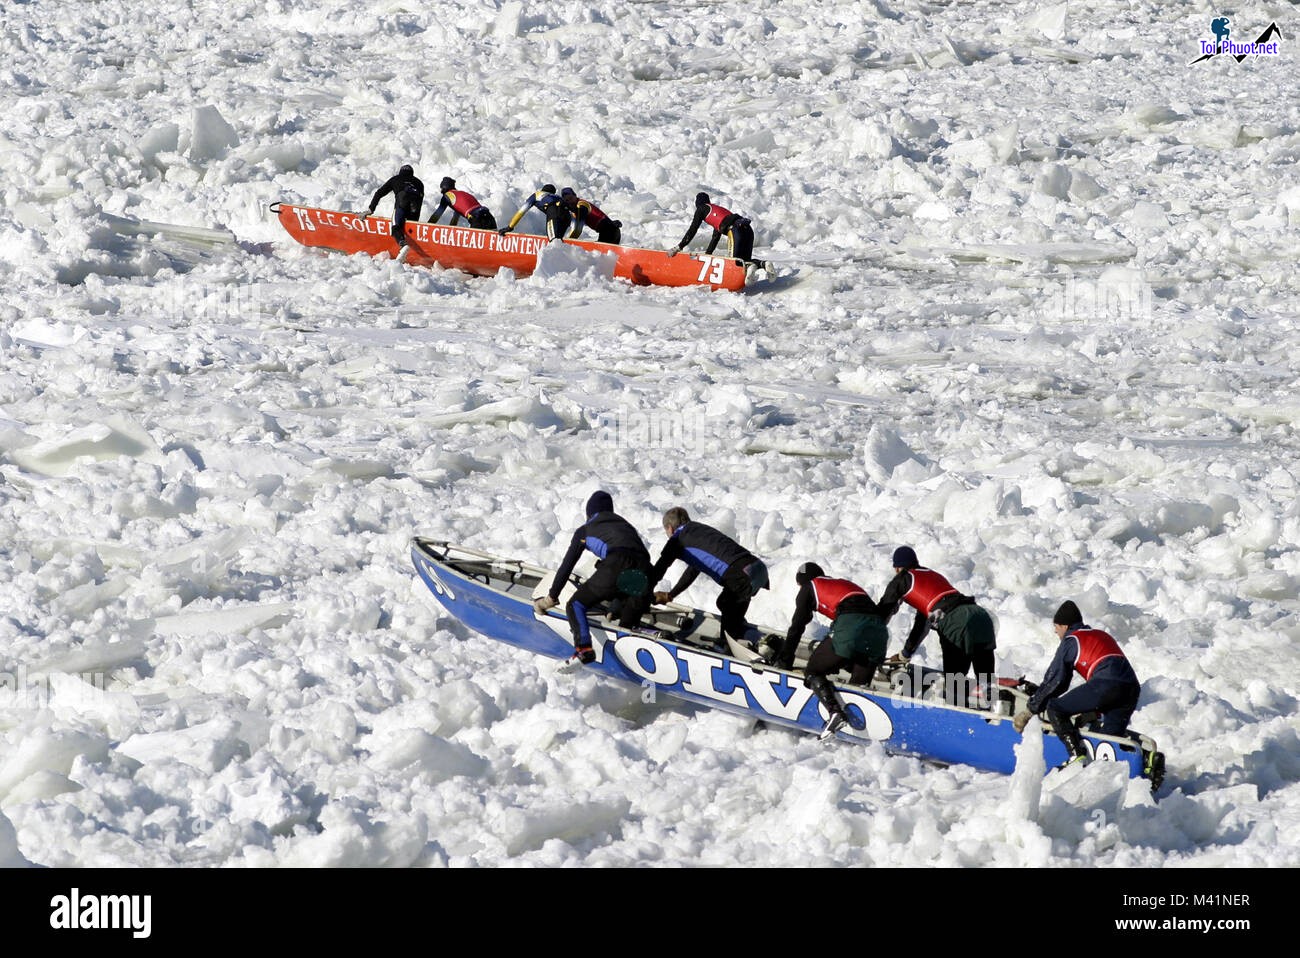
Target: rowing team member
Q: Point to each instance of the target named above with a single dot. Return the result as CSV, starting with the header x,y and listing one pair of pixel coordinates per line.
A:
x,y
736,228
1110,687
624,573
563,210
966,638
858,636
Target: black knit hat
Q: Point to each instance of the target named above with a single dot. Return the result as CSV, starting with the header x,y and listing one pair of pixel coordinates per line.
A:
x,y
1067,614
905,558
600,501
809,570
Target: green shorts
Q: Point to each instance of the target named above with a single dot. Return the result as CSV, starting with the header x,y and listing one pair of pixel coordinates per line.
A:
x,y
858,635
968,627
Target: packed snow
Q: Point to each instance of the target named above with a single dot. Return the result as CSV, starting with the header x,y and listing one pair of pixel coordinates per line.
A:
x,y
1036,316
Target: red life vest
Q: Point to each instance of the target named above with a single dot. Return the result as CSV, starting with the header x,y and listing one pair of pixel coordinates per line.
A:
x,y
829,593
462,202
716,215
594,214
928,587
1094,646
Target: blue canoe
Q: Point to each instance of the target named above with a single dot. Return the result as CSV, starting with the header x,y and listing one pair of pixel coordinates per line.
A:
x,y
681,652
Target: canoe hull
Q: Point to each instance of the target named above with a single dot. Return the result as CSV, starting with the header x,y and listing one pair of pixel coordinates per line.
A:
x,y
469,585
485,252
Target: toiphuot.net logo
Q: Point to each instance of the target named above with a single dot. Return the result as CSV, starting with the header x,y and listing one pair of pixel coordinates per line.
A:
x,y
1267,44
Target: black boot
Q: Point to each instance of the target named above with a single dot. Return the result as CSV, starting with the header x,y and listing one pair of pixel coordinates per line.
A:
x,y
1069,735
825,693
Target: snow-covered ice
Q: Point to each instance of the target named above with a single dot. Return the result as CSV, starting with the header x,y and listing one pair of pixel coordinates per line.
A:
x,y
1037,318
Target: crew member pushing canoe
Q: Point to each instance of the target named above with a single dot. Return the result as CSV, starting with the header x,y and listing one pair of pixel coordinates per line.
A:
x,y
622,572
586,213
1110,686
857,640
549,204
737,229
966,631
408,199
464,204
704,549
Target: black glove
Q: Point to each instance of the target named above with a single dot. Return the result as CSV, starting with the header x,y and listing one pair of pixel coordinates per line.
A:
x,y
503,231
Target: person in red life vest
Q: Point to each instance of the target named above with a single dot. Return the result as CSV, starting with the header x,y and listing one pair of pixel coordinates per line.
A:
x,y
408,199
857,639
464,204
549,204
737,229
1110,686
704,549
587,213
966,632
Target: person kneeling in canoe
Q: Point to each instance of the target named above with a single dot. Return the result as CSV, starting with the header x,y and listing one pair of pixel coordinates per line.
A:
x,y
461,203
737,229
1110,686
966,631
622,571
705,549
857,639
408,199
587,213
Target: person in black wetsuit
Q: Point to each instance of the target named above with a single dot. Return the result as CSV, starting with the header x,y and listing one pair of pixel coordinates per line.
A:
x,y
737,229
622,570
408,199
705,549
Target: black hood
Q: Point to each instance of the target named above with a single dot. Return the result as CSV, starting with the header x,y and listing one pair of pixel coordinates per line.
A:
x,y
807,571
599,502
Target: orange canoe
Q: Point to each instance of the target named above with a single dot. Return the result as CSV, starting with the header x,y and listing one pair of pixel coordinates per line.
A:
x,y
484,252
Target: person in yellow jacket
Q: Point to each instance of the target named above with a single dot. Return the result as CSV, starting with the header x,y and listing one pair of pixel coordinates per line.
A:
x,y
551,206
